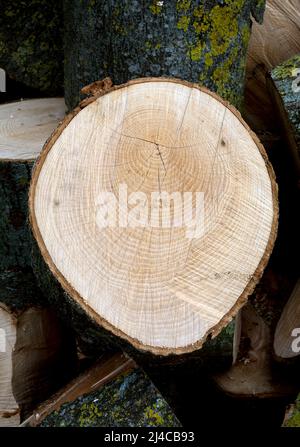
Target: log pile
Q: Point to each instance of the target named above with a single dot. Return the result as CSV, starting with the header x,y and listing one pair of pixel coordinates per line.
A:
x,y
103,286
36,346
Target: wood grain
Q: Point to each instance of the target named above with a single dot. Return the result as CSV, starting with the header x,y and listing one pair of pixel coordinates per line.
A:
x,y
271,43
26,125
154,286
278,37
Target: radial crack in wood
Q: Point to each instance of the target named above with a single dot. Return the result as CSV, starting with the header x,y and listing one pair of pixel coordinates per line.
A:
x,y
162,288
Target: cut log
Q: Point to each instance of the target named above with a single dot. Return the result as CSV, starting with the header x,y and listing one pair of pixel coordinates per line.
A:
x,y
287,334
24,128
31,43
277,38
37,345
36,358
271,43
9,409
198,41
164,289
284,86
112,393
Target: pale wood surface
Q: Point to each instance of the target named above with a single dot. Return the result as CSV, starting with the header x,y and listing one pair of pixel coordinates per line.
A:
x,y
26,125
271,43
289,320
153,286
278,38
9,409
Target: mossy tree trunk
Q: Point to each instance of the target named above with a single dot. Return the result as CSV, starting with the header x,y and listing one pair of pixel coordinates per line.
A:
x,y
196,40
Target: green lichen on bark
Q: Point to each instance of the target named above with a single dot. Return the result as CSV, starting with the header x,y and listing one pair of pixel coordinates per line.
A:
x,y
31,47
196,40
131,400
285,78
15,237
293,417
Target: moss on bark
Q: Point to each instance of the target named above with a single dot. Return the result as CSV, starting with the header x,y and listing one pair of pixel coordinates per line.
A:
x,y
286,78
131,400
197,40
292,418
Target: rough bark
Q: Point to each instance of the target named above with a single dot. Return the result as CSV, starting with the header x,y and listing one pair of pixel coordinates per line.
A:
x,y
284,88
199,41
112,393
31,43
94,340
14,230
42,352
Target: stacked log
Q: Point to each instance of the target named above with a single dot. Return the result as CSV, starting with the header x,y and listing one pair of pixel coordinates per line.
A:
x,y
34,341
